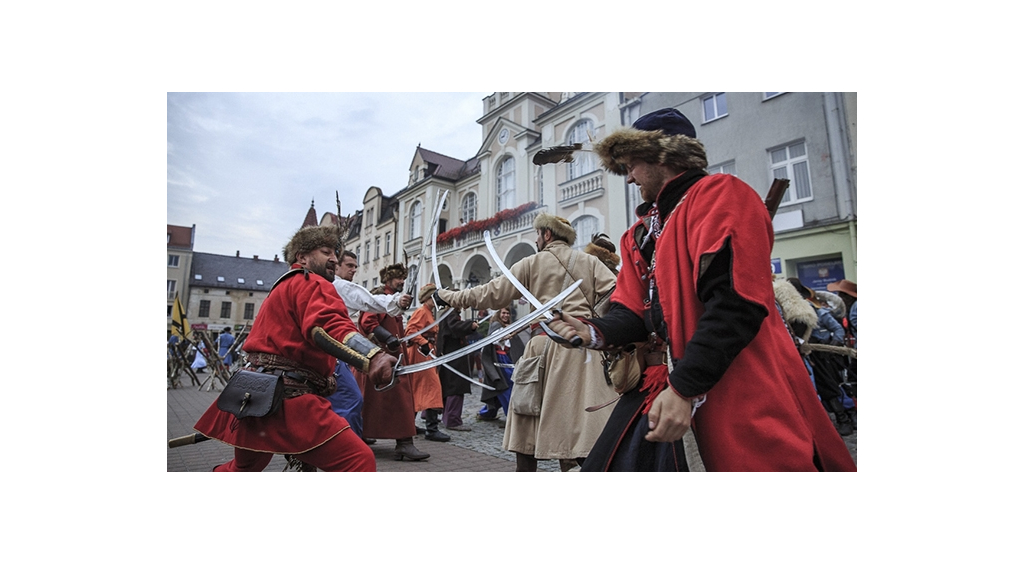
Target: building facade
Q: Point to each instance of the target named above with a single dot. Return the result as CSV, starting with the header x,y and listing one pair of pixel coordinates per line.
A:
x,y
227,291
809,138
180,241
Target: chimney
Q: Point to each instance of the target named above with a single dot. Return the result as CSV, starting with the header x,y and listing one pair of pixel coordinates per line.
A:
x,y
255,257
276,259
238,254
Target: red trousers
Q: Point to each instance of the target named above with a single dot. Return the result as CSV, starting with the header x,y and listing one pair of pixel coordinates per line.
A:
x,y
345,452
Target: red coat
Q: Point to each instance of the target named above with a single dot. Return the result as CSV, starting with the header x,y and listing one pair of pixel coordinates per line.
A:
x,y
284,327
390,414
763,414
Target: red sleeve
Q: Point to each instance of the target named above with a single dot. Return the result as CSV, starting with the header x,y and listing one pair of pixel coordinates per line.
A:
x,y
369,321
731,210
631,289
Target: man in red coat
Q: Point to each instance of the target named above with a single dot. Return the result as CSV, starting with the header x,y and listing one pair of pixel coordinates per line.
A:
x,y
696,275
300,331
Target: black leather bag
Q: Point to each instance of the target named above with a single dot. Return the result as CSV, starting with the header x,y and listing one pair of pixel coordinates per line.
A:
x,y
252,394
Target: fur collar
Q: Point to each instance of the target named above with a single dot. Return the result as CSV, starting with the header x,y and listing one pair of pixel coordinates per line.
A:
x,y
794,307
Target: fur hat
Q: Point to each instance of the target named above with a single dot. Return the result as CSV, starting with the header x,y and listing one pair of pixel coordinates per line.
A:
x,y
604,250
425,292
559,226
311,238
661,137
393,271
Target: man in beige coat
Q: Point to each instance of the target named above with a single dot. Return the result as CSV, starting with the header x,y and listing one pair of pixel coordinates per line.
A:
x,y
573,379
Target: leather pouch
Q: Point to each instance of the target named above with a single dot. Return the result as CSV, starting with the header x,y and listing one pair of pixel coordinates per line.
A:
x,y
252,394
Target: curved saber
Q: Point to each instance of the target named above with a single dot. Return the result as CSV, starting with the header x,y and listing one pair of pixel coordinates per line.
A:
x,y
498,335
409,337
463,376
433,246
423,248
576,341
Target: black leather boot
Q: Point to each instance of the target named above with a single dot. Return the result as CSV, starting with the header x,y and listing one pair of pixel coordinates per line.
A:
x,y
433,434
405,449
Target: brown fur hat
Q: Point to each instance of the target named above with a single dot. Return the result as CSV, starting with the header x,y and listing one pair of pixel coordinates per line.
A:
x,y
426,292
393,271
676,151
604,250
560,227
309,239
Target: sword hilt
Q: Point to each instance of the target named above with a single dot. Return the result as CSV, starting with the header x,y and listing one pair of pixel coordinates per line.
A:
x,y
187,440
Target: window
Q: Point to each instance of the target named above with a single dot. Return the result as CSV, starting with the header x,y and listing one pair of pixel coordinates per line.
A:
x,y
374,281
172,285
220,279
170,309
724,168
586,228
387,243
172,261
416,220
369,217
468,212
259,282
359,249
204,308
507,184
225,310
366,259
376,247
199,276
791,162
250,311
714,106
241,280
583,161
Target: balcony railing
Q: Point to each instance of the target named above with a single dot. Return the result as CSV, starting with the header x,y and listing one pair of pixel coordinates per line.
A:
x,y
509,227
587,186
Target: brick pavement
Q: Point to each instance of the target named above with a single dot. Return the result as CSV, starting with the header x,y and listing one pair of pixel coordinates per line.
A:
x,y
478,450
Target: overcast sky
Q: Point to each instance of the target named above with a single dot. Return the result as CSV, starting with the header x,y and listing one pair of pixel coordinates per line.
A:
x,y
244,167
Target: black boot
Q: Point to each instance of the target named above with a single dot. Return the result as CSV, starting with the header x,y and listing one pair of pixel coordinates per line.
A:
x,y
405,448
430,417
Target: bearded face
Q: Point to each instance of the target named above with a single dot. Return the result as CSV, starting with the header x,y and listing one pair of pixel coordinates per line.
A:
x,y
322,261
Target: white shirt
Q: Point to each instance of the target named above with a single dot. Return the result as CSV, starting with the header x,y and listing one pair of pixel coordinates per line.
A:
x,y
358,299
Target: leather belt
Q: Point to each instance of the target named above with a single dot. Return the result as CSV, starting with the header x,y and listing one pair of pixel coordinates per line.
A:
x,y
655,358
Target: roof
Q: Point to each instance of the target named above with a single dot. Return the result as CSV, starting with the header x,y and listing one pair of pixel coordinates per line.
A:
x,y
249,269
310,217
446,167
178,236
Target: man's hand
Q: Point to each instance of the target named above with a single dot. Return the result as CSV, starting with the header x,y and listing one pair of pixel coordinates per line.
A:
x,y
404,301
669,417
381,366
425,349
568,327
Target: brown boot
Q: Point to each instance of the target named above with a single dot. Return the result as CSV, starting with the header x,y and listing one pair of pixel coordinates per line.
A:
x,y
405,448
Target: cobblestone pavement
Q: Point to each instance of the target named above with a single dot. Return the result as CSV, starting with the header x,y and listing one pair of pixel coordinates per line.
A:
x,y
478,450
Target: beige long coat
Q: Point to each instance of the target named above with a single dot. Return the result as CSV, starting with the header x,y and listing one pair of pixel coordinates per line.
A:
x,y
574,379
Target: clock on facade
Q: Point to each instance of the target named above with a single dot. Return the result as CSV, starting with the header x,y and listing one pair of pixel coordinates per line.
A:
x,y
503,135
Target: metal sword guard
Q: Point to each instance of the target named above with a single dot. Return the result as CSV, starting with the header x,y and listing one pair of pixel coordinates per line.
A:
x,y
394,377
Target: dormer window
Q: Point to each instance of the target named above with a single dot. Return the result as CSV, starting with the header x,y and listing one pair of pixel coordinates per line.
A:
x,y
220,279
241,280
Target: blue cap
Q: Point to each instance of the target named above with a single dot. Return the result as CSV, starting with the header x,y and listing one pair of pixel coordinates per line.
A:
x,y
668,120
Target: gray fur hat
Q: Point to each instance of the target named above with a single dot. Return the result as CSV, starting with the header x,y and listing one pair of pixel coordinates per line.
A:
x,y
559,226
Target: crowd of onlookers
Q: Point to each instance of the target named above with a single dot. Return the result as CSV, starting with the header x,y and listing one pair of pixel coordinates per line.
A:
x,y
823,324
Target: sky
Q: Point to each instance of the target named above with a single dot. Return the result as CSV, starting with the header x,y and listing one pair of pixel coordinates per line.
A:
x,y
244,167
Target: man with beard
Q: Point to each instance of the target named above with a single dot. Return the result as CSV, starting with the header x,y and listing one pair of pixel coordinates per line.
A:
x,y
390,414
695,290
301,330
